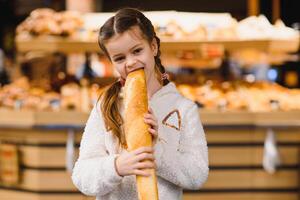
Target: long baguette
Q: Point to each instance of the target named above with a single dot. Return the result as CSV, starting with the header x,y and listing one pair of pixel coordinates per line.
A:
x,y
136,130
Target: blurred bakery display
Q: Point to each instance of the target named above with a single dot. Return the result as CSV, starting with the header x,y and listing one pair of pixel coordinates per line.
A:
x,y
189,40
169,25
197,40
20,95
260,96
186,30
238,95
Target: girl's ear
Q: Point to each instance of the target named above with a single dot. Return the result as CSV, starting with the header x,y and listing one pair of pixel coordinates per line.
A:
x,y
154,47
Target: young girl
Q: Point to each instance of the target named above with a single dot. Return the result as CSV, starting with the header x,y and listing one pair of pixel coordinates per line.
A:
x,y
104,168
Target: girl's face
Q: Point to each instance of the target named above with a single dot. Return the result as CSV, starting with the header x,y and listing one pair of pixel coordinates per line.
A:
x,y
130,51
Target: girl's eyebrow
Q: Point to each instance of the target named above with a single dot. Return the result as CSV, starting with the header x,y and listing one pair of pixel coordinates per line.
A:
x,y
119,54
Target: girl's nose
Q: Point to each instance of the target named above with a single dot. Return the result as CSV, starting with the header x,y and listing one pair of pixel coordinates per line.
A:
x,y
130,64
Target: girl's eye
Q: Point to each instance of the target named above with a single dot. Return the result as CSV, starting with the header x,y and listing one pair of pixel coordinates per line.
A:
x,y
119,59
136,51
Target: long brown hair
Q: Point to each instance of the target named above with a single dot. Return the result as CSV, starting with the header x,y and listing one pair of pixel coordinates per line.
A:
x,y
123,20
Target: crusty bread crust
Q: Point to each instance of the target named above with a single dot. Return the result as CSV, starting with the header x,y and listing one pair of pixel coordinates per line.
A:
x,y
136,130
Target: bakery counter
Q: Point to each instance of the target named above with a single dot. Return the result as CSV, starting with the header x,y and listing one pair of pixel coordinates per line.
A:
x,y
38,149
76,119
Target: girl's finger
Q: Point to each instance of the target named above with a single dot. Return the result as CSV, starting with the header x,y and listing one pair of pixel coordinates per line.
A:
x,y
149,116
141,172
144,156
142,150
150,110
151,122
153,132
145,165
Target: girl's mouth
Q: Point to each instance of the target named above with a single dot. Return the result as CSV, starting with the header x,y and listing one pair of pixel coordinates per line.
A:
x,y
136,69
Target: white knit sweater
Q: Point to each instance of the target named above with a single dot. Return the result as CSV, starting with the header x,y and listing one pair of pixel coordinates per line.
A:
x,y
180,152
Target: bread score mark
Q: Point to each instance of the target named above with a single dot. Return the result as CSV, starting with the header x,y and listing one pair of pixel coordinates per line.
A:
x,y
173,120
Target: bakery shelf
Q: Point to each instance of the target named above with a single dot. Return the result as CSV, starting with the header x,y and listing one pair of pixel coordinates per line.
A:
x,y
68,45
76,119
48,119
245,118
55,44
231,45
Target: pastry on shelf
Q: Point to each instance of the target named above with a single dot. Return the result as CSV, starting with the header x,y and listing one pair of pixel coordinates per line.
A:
x,y
210,97
254,97
235,100
69,96
50,101
42,13
187,91
224,33
69,22
200,33
48,22
170,31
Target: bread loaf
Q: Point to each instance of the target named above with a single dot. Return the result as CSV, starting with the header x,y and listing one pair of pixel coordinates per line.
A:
x,y
136,130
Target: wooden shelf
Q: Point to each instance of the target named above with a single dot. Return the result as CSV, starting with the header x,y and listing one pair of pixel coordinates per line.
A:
x,y
65,119
245,118
231,45
68,45
29,119
56,44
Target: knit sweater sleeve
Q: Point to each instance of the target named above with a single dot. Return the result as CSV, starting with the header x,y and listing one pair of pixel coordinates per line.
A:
x,y
94,172
185,164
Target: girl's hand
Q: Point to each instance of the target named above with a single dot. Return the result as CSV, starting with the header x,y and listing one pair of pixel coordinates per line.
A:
x,y
133,163
150,119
